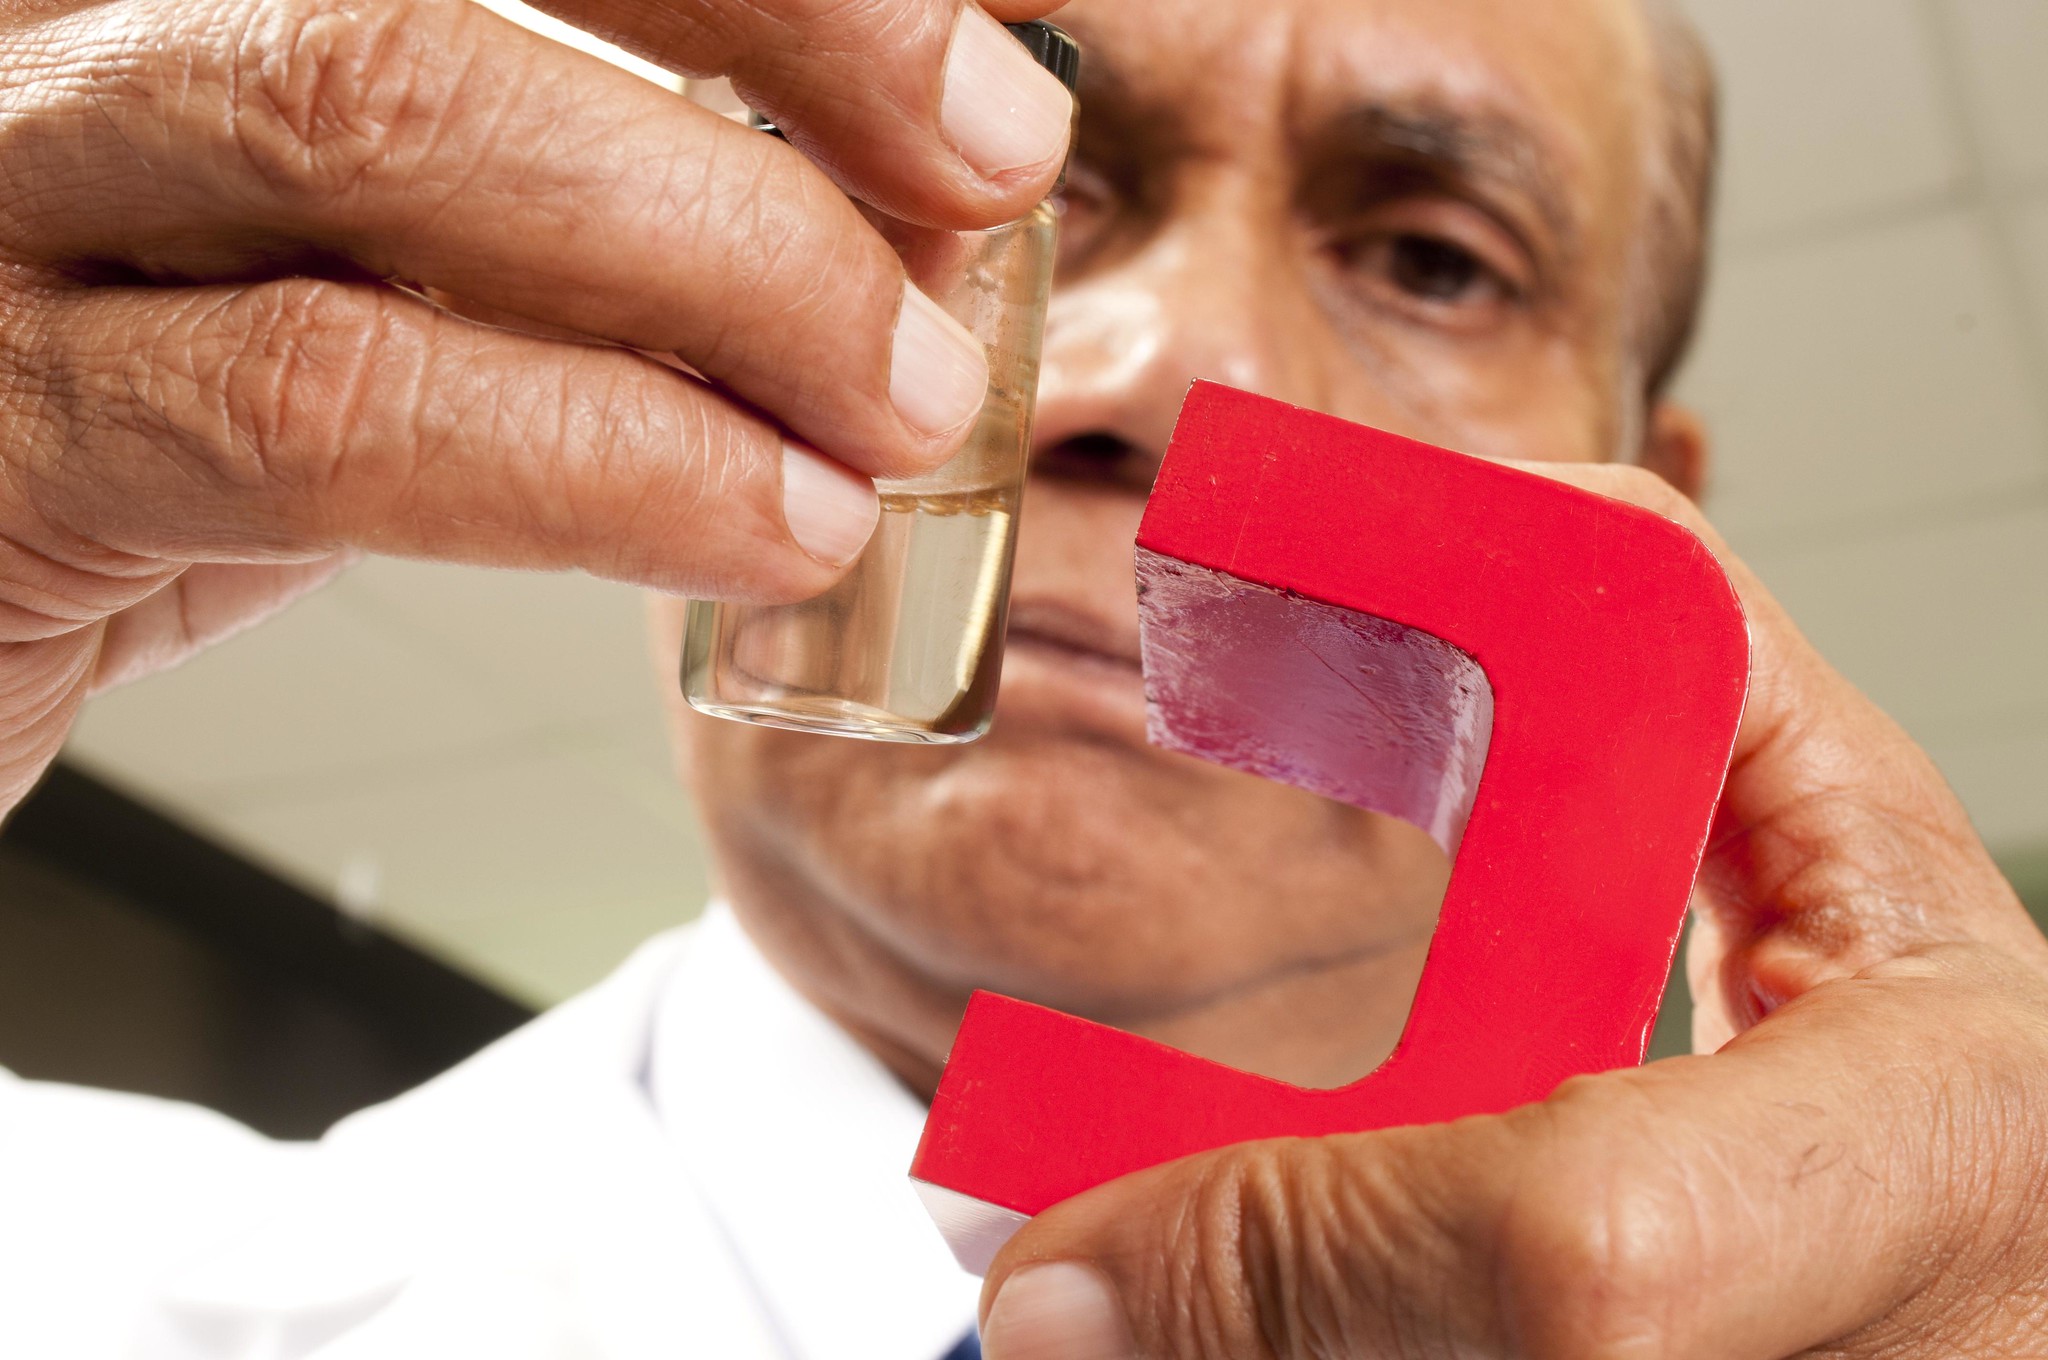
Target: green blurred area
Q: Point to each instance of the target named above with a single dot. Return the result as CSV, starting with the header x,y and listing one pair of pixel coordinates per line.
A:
x,y
2027,870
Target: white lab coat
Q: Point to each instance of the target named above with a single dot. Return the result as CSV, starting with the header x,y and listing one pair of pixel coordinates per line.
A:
x,y
687,1161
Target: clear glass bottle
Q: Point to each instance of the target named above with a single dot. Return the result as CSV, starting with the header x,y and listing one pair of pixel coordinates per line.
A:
x,y
908,647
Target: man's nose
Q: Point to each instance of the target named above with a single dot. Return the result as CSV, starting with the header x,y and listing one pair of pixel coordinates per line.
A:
x,y
1200,299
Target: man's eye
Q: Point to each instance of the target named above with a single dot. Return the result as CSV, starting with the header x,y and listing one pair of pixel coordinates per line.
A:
x,y
1429,276
1087,206
1434,269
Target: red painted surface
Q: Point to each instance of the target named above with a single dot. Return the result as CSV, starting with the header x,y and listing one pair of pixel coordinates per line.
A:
x,y
1371,618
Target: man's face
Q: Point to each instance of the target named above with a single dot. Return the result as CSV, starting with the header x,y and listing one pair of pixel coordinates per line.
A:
x,y
1412,215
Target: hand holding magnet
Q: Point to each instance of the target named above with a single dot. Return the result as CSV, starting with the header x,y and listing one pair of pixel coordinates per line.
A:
x,y
1546,681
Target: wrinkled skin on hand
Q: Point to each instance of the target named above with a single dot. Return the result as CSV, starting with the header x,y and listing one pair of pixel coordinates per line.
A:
x,y
1856,1166
211,392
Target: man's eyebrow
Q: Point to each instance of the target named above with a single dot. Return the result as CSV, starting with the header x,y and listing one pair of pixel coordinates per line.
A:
x,y
1481,149
1428,136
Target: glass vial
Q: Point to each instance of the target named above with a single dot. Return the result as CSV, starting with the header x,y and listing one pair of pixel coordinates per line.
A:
x,y
908,646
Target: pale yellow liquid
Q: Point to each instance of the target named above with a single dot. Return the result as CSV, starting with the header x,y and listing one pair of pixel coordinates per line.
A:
x,y
908,647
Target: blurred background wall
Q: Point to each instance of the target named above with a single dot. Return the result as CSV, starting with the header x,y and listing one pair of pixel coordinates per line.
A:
x,y
472,763
1875,364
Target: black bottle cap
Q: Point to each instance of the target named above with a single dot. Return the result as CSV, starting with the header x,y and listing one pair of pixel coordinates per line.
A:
x,y
1050,45
1054,48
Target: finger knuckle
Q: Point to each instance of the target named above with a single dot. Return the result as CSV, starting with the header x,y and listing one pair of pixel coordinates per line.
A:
x,y
53,84
1215,1268
241,396
618,477
279,380
877,22
323,97
108,400
637,467
1290,1208
1292,1248
750,213
65,578
799,265
25,344
1600,1253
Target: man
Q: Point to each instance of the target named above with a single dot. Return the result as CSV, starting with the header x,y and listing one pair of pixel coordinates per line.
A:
x,y
1473,221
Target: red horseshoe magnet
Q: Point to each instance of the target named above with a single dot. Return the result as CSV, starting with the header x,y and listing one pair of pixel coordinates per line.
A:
x,y
1545,680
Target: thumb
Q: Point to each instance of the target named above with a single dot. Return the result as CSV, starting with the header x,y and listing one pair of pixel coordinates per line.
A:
x,y
1828,1178
1057,1310
1280,1250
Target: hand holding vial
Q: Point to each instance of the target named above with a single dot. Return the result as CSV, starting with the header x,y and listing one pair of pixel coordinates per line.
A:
x,y
908,646
206,337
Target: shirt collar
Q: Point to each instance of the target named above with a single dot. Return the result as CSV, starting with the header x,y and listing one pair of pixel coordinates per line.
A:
x,y
801,1143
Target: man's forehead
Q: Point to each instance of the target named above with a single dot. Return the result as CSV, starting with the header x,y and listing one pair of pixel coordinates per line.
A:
x,y
1573,76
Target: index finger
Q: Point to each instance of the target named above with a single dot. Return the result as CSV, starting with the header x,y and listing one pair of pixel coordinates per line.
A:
x,y
926,109
441,145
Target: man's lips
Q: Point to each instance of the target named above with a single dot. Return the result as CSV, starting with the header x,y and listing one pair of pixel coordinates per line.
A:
x,y
1064,668
1060,626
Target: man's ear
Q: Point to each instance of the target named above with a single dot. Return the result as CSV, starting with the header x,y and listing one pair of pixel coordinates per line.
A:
x,y
1675,447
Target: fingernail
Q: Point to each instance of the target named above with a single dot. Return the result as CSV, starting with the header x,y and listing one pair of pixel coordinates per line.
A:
x,y
831,510
1001,109
1060,1311
938,377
